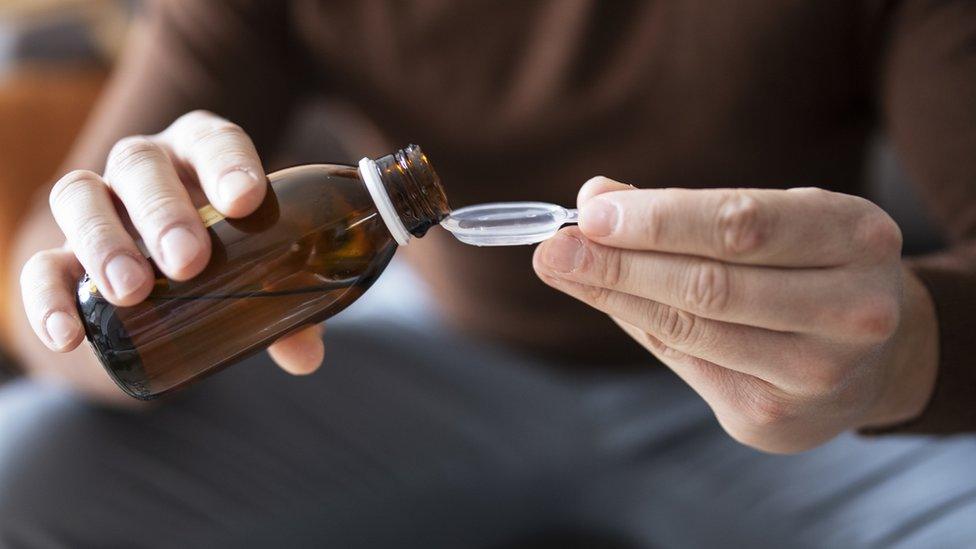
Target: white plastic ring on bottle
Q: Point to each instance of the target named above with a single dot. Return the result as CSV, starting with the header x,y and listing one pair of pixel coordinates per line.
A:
x,y
370,174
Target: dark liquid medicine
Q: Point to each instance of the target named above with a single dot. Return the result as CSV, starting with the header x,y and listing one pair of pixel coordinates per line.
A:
x,y
315,245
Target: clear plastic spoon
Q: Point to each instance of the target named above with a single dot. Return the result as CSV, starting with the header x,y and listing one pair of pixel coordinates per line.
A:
x,y
508,223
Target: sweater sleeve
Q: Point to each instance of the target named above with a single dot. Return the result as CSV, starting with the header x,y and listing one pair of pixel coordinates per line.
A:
x,y
929,104
232,57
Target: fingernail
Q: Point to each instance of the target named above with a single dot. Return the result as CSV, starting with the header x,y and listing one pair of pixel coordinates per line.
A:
x,y
563,254
61,328
599,217
233,185
179,247
125,275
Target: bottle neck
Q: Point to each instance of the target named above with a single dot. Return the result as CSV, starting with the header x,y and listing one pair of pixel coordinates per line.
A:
x,y
407,192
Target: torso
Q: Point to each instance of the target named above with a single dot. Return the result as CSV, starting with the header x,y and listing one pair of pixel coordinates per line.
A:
x,y
525,101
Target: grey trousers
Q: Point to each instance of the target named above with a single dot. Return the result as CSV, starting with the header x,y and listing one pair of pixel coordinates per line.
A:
x,y
407,438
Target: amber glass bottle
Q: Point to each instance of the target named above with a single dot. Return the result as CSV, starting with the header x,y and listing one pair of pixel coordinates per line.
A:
x,y
322,236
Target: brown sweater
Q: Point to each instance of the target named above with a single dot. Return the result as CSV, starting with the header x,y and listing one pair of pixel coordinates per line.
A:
x,y
526,100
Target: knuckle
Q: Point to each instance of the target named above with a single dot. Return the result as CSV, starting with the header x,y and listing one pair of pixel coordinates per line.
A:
x,y
195,116
740,224
158,207
875,318
652,225
677,327
95,234
220,132
41,261
73,185
689,361
232,156
877,234
825,377
40,278
41,297
613,272
707,287
217,145
36,267
767,412
131,152
598,296
652,343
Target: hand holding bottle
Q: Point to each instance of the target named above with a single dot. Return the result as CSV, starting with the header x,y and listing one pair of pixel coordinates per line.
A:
x,y
788,311
155,179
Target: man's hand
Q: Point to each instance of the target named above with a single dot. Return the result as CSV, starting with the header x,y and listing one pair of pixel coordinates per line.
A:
x,y
155,181
788,311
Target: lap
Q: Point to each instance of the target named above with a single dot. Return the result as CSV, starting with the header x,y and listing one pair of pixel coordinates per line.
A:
x,y
405,438
439,445
693,486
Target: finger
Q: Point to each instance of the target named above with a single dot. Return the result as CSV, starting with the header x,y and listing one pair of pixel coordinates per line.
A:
x,y
796,227
599,185
754,351
750,409
712,382
143,177
300,353
223,158
47,282
823,301
83,208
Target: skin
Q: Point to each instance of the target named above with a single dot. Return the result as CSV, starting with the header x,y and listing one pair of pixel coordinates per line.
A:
x,y
789,311
155,180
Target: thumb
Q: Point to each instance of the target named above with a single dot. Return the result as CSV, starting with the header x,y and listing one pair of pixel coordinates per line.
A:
x,y
599,185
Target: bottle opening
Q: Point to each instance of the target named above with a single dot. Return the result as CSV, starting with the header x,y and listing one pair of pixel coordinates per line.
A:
x,y
407,192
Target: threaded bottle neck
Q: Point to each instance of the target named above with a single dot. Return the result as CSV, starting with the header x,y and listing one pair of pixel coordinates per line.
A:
x,y
414,189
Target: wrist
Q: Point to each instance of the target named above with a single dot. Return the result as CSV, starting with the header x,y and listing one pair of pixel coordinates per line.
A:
x,y
912,359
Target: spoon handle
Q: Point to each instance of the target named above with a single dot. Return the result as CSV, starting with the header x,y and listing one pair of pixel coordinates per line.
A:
x,y
572,216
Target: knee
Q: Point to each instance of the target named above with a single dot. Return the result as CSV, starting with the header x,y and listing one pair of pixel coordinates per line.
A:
x,y
42,460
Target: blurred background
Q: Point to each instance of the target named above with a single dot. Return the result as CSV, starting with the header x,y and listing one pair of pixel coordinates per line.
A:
x,y
55,56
